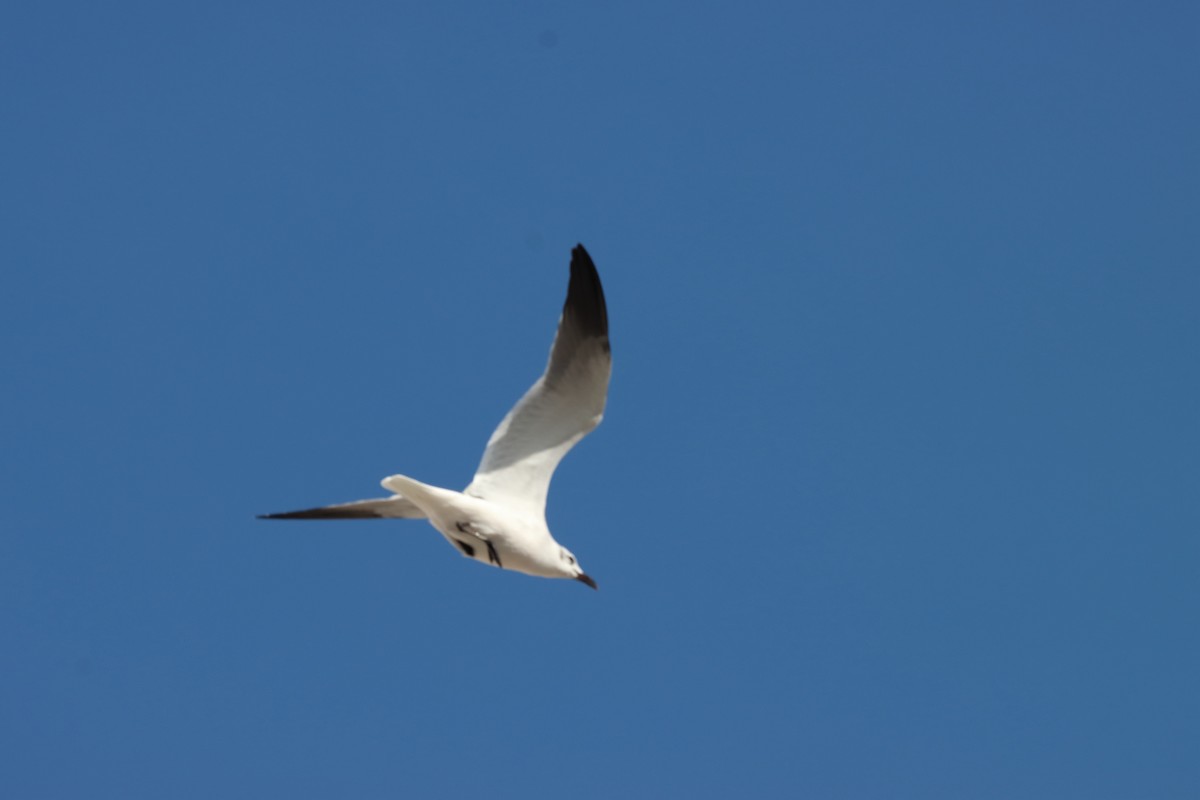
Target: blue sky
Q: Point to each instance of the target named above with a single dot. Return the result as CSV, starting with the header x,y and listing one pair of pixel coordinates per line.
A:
x,y
897,491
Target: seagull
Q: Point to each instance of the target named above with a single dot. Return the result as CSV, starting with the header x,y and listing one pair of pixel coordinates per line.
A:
x,y
500,518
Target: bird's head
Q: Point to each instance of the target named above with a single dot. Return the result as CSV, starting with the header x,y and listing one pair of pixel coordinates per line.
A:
x,y
571,566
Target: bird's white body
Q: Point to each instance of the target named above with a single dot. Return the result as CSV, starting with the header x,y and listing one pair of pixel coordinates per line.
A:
x,y
500,518
519,540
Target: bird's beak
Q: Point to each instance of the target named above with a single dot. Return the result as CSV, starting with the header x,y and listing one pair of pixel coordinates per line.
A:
x,y
582,578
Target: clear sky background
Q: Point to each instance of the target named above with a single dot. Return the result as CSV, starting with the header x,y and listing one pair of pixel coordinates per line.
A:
x,y
897,491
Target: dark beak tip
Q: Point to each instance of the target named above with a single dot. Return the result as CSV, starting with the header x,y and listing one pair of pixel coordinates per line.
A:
x,y
583,578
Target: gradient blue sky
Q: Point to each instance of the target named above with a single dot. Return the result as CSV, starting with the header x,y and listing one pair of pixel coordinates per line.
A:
x,y
897,491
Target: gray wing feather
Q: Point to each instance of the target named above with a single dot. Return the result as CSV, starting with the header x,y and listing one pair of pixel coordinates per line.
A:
x,y
395,507
563,405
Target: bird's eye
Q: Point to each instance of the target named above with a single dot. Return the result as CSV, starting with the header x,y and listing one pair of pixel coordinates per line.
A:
x,y
571,559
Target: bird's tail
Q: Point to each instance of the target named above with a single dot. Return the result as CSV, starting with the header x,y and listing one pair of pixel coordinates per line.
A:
x,y
422,495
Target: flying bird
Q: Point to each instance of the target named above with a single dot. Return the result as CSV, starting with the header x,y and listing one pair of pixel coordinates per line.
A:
x,y
500,518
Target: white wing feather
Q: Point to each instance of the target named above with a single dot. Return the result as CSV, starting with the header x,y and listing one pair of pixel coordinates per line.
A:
x,y
562,407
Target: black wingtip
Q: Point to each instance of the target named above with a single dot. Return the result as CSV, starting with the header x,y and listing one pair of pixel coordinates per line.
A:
x,y
324,513
585,295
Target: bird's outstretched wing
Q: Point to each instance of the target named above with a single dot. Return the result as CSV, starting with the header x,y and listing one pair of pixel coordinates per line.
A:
x,y
395,507
561,408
